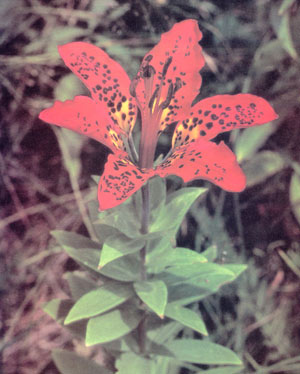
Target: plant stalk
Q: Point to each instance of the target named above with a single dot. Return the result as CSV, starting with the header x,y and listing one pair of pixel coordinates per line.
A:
x,y
143,252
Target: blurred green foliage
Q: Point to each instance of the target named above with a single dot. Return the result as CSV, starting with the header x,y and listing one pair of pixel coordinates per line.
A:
x,y
250,46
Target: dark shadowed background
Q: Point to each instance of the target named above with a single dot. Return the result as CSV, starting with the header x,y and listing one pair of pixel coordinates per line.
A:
x,y
250,46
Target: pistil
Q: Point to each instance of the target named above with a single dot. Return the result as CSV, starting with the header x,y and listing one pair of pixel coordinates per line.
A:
x,y
152,109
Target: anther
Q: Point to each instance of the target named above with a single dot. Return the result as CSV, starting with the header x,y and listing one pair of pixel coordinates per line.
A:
x,y
165,103
178,84
153,97
132,87
166,66
148,71
148,58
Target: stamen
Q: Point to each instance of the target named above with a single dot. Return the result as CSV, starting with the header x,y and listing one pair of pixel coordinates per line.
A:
x,y
153,97
178,84
148,71
166,66
132,87
148,58
165,103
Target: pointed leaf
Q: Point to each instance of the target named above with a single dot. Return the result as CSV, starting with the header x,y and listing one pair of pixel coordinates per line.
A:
x,y
71,239
118,246
262,166
285,5
202,352
70,363
284,35
157,250
132,363
157,195
295,195
237,269
99,301
251,140
112,325
154,294
123,269
186,317
79,284
222,370
193,273
58,309
122,218
180,257
210,253
178,204
186,285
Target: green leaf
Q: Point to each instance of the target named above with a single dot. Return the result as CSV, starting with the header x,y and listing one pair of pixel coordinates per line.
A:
x,y
99,301
79,284
118,12
193,273
123,217
284,35
177,256
112,325
262,166
157,196
101,7
186,317
172,214
58,309
295,195
285,5
222,370
237,269
68,87
131,363
123,269
210,253
70,363
251,140
154,294
117,246
158,193
188,284
202,352
71,239
156,250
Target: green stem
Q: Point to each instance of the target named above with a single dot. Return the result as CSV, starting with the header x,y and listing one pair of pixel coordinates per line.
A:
x,y
143,252
146,209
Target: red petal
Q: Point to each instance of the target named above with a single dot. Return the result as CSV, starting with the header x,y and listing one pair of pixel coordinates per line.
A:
x,y
121,178
222,113
205,160
87,117
181,45
104,77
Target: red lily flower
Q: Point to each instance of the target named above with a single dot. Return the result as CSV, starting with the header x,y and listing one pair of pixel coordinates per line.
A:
x,y
163,90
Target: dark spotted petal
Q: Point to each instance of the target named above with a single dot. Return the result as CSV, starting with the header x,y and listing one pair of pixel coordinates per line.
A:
x,y
104,77
176,60
222,113
87,117
205,160
121,178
